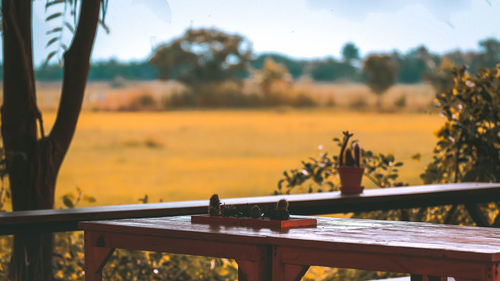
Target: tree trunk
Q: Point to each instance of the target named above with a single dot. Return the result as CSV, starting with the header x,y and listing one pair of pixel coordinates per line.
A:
x,y
33,159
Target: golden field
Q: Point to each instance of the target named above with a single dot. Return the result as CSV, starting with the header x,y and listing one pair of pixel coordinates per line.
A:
x,y
118,157
187,155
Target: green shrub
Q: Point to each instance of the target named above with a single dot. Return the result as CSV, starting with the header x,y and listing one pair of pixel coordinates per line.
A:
x,y
468,147
400,101
319,173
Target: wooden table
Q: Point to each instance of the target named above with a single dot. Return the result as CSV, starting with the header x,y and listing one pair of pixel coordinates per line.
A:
x,y
427,251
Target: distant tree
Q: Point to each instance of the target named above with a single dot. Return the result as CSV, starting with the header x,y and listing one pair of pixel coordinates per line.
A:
x,y
441,78
489,55
272,74
294,66
380,74
350,52
412,67
331,70
203,56
103,71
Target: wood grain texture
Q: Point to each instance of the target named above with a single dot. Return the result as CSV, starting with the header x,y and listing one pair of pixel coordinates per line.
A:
x,y
411,238
300,204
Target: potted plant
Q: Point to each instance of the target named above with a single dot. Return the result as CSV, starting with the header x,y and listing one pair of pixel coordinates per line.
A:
x,y
350,168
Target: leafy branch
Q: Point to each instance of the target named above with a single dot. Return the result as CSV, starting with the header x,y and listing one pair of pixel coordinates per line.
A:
x,y
320,173
64,11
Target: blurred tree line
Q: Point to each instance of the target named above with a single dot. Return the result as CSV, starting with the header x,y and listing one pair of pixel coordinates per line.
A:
x,y
415,66
103,71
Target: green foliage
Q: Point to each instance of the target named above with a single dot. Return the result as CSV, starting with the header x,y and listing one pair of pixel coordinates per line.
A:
x,y
108,70
350,52
332,70
65,13
140,265
103,71
441,79
272,73
320,174
213,95
5,206
274,82
415,66
124,265
202,56
380,72
468,148
488,57
412,65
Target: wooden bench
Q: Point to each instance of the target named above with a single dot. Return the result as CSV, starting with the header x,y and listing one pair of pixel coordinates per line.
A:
x,y
468,194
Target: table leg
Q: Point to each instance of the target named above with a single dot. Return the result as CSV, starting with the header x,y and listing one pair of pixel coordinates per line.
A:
x,y
286,272
258,269
253,270
289,272
95,258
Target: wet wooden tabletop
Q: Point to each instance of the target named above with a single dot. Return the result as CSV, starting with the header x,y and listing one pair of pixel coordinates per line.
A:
x,y
371,236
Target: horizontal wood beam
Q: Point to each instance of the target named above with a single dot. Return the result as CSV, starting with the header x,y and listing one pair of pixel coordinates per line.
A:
x,y
300,204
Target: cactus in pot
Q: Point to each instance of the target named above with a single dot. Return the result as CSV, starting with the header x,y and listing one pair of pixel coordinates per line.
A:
x,y
214,207
350,168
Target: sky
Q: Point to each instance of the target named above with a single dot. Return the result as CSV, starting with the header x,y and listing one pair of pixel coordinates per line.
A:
x,y
298,28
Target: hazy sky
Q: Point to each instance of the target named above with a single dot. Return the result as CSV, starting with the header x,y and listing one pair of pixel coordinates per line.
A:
x,y
299,28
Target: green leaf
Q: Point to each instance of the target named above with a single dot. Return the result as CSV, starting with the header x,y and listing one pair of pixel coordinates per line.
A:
x,y
54,30
416,157
52,41
280,182
49,56
53,16
53,2
67,201
69,26
89,199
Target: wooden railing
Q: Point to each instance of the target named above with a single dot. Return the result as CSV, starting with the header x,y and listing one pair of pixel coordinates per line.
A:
x,y
468,194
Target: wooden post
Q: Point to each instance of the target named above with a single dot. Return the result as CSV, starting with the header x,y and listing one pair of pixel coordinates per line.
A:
x,y
256,270
96,255
286,272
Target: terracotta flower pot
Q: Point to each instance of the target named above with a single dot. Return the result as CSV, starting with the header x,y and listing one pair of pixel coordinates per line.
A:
x,y
350,180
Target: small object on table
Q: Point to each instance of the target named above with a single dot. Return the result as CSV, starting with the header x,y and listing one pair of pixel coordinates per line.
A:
x,y
277,217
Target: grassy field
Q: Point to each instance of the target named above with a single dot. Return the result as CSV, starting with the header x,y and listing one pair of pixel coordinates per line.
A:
x,y
187,155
